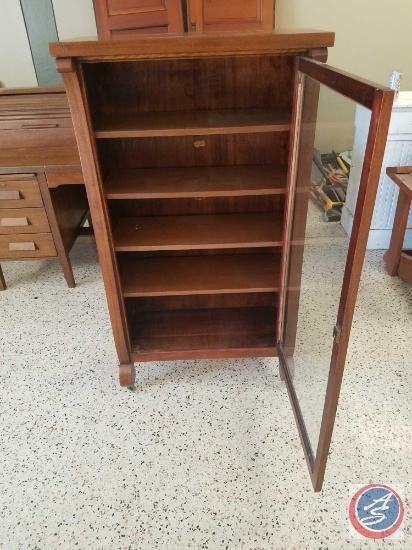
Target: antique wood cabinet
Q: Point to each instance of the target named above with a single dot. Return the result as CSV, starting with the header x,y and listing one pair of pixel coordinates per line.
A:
x,y
230,15
197,154
118,17
43,201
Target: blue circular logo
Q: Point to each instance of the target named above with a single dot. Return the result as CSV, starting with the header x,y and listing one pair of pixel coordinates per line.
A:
x,y
376,511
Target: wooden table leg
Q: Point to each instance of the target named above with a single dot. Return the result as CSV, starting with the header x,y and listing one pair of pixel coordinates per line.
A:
x,y
66,265
62,208
2,281
393,255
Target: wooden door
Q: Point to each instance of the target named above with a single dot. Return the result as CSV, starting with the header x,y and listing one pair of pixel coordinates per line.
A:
x,y
321,265
230,15
116,17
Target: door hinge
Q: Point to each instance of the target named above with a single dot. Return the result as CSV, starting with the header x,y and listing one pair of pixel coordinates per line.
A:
x,y
194,27
337,331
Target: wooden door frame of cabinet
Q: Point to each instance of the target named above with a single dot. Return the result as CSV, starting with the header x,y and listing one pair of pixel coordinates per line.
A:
x,y
379,100
381,108
73,79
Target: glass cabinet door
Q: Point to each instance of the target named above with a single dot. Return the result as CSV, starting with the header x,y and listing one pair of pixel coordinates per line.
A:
x,y
321,265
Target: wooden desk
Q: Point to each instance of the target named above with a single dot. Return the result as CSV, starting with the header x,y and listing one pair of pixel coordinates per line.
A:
x,y
43,202
399,262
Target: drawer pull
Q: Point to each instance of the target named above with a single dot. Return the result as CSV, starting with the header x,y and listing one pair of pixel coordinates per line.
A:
x,y
9,195
38,126
18,247
13,222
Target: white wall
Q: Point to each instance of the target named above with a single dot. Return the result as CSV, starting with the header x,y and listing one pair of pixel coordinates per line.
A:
x,y
74,18
16,64
373,38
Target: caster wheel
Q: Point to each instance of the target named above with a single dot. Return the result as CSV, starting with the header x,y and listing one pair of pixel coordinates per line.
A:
x,y
127,375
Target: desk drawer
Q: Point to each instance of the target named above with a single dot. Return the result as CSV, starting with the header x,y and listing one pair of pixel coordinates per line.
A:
x,y
23,220
41,123
39,133
19,192
17,247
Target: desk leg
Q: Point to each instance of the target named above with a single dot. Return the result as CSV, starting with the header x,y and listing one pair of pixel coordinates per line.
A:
x,y
392,256
66,267
66,208
2,281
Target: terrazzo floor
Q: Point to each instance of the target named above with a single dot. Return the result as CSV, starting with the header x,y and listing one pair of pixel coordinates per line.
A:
x,y
204,454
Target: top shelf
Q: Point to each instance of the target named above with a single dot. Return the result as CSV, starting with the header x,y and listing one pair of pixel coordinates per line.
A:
x,y
193,123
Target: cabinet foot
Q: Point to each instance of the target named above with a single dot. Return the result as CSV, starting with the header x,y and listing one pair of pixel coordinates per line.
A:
x,y
2,281
127,375
291,366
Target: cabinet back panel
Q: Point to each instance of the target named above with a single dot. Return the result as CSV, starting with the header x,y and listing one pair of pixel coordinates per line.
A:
x,y
167,303
125,256
214,150
190,84
210,205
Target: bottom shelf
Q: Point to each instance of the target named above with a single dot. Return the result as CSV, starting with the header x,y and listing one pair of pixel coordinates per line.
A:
x,y
203,333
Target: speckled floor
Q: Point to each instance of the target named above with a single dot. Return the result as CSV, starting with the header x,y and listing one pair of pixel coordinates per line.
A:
x,y
204,454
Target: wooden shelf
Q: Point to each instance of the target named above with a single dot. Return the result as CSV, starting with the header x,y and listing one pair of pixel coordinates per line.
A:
x,y
217,181
198,232
193,123
178,276
203,333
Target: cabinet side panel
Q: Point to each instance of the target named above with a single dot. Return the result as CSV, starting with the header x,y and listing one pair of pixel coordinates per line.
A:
x,y
78,98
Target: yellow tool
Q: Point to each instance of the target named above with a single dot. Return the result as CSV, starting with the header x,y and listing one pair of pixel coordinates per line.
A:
x,y
342,165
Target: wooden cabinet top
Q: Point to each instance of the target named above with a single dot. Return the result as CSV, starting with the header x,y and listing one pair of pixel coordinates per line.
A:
x,y
197,45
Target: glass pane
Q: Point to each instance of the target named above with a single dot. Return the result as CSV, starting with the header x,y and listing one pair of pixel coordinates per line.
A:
x,y
319,245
